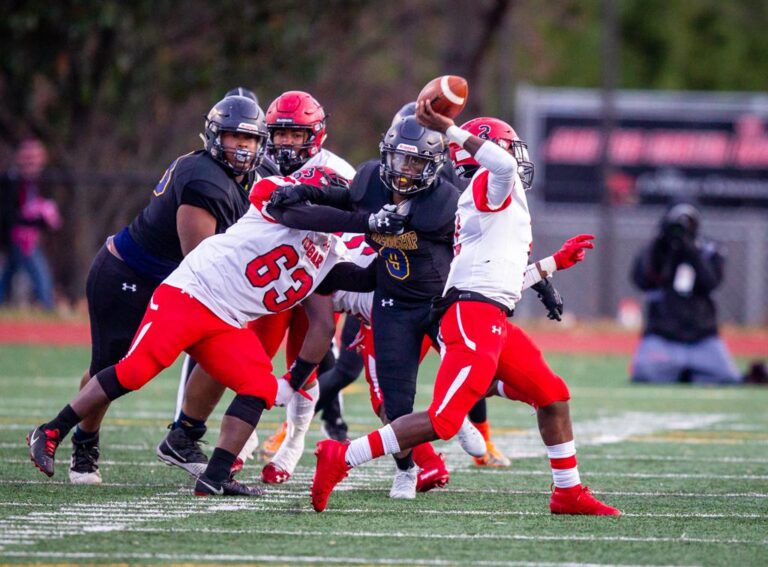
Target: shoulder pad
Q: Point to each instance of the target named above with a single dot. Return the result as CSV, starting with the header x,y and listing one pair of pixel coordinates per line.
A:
x,y
434,209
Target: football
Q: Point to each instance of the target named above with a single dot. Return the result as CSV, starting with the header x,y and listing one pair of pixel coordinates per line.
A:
x,y
446,94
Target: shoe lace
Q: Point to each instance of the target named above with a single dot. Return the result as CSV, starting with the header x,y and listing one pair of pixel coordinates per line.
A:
x,y
51,441
85,455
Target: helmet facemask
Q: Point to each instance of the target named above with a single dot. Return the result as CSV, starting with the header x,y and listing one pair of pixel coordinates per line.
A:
x,y
407,173
240,160
291,157
519,150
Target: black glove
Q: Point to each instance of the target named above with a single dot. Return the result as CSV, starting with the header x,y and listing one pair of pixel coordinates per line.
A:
x,y
550,297
292,194
387,221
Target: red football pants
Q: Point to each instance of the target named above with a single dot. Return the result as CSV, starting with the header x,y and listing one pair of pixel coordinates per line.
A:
x,y
481,344
176,322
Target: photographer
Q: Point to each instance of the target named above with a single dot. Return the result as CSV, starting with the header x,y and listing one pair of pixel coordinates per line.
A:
x,y
679,271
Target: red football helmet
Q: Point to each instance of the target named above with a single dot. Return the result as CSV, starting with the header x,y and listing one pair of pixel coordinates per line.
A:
x,y
295,110
321,176
501,134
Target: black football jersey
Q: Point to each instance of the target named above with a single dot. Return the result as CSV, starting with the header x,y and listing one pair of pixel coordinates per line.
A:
x,y
193,179
412,266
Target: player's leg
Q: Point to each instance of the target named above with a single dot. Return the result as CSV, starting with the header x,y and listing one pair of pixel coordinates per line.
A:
x,y
271,330
465,373
398,332
181,445
710,363
493,457
657,360
117,299
526,377
237,360
299,409
347,368
172,322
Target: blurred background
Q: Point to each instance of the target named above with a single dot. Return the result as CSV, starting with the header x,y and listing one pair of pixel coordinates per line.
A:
x,y
116,90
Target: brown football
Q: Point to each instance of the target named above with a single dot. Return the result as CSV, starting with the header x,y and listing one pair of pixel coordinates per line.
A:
x,y
446,94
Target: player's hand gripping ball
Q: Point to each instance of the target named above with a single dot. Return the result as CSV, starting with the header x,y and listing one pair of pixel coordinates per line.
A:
x,y
447,94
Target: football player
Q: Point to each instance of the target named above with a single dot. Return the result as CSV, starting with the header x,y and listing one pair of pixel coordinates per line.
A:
x,y
296,123
410,270
492,241
201,193
259,266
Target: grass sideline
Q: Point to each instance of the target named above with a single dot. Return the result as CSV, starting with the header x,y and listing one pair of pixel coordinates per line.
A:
x,y
688,466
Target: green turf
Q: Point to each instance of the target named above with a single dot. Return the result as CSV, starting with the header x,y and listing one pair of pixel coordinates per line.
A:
x,y
688,466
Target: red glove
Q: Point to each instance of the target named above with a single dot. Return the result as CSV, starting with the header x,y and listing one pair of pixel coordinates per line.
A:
x,y
573,251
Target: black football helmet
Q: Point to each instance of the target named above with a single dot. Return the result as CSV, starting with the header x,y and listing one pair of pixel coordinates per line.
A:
x,y
236,114
408,109
411,156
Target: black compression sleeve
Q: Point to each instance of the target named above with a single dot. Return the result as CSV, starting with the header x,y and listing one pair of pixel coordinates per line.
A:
x,y
348,276
333,197
320,218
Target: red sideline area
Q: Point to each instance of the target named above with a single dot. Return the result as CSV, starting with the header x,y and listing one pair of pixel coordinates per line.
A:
x,y
579,340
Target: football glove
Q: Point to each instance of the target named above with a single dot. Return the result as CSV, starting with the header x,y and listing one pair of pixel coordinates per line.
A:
x,y
550,297
573,251
387,221
292,194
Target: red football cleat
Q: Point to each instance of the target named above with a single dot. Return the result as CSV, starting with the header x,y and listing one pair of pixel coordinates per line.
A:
x,y
433,474
331,470
579,500
270,474
237,466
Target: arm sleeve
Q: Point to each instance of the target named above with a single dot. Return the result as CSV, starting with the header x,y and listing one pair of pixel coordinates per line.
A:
x,y
334,197
502,167
348,276
320,218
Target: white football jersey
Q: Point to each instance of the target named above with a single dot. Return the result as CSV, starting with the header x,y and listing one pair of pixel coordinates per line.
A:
x,y
353,302
258,266
491,244
336,163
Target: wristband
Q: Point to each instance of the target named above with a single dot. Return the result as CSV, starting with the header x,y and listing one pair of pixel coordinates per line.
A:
x,y
456,134
300,371
546,266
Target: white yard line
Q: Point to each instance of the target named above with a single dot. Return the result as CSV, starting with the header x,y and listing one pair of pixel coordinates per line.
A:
x,y
224,558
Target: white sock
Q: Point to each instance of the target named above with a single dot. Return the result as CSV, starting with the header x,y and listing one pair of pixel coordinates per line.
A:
x,y
299,413
381,442
562,459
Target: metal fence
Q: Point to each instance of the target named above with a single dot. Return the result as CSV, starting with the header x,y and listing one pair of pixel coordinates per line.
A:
x,y
742,298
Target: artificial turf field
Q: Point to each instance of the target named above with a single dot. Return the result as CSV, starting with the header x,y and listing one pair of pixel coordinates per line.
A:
x,y
688,466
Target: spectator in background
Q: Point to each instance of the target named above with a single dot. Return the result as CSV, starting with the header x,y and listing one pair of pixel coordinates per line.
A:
x,y
679,271
24,215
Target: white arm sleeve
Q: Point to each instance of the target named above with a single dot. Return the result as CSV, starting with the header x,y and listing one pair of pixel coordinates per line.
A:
x,y
503,169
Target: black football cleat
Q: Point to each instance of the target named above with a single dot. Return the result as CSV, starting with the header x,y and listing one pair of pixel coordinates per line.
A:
x,y
84,466
335,429
42,447
181,449
230,487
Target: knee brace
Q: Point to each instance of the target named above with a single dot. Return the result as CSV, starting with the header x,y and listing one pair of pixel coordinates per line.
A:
x,y
246,408
110,384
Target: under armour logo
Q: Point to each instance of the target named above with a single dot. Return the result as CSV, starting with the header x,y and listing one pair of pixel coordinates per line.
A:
x,y
495,329
387,302
129,287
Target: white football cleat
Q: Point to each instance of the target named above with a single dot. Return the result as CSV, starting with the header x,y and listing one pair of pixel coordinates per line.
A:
x,y
470,439
404,485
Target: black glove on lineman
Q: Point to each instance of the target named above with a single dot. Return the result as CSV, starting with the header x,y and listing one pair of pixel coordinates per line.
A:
x,y
387,221
550,297
291,194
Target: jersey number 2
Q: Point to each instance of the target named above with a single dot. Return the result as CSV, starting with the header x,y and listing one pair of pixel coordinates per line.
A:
x,y
268,267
